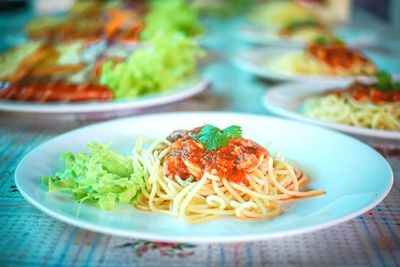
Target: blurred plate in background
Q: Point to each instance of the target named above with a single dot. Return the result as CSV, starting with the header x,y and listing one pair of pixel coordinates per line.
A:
x,y
180,92
255,61
287,100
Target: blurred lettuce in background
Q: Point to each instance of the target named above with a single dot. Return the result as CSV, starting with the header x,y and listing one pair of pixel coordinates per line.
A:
x,y
222,8
166,57
169,17
159,64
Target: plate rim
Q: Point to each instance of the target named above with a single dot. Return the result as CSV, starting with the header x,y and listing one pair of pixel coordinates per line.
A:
x,y
181,91
359,131
207,239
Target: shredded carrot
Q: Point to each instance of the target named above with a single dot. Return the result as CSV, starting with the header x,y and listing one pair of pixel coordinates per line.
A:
x,y
117,17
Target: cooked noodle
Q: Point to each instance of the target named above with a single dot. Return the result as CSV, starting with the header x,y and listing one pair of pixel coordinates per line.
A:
x,y
303,63
344,109
204,196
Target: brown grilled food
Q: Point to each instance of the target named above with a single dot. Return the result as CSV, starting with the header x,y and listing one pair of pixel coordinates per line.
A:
x,y
56,92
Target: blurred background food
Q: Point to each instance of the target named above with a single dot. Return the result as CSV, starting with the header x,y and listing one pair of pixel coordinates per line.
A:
x,y
280,14
135,48
324,56
130,48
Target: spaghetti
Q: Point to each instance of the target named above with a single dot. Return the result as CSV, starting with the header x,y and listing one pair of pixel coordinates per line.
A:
x,y
332,59
361,105
241,179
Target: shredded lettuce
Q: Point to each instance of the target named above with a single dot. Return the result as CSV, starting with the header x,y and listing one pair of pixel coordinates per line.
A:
x,y
101,176
167,56
170,17
160,64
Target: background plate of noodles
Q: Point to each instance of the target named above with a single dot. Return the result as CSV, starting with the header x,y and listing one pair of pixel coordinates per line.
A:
x,y
292,64
288,100
354,177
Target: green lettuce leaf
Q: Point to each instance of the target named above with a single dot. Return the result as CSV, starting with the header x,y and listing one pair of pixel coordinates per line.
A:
x,y
101,176
159,65
171,16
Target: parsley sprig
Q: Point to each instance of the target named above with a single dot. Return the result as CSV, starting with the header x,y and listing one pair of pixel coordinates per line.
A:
x,y
213,138
298,24
384,82
327,40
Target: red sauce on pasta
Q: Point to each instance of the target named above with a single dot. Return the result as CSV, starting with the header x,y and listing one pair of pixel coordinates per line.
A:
x,y
337,55
231,162
361,92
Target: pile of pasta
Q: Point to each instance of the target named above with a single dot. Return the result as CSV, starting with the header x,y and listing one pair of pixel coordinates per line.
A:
x,y
335,59
205,195
346,108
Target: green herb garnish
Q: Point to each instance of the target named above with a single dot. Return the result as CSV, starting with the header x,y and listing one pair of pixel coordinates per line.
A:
x,y
384,82
212,137
328,40
233,131
298,24
172,16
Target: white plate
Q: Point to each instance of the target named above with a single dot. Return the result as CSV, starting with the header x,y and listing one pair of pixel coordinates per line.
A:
x,y
287,100
254,61
355,181
180,92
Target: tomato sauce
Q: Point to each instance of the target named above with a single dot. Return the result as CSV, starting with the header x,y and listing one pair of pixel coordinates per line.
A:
x,y
337,55
231,162
362,92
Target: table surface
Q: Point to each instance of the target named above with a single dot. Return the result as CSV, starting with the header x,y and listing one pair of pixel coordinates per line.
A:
x,y
30,237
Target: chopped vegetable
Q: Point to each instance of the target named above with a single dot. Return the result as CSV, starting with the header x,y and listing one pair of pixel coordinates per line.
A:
x,y
222,8
157,66
101,176
328,40
298,24
212,137
170,17
384,82
233,131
